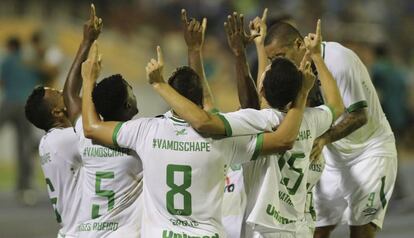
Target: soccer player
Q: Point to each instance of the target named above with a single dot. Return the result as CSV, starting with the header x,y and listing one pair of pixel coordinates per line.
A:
x,y
234,197
184,170
275,209
58,148
112,176
360,152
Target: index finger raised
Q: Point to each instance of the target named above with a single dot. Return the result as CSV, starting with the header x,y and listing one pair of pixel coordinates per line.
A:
x,y
160,55
264,16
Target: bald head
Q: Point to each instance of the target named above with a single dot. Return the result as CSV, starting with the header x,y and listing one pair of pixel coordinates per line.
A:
x,y
283,32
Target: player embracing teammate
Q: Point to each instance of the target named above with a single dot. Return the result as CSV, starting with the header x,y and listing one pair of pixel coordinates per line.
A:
x,y
109,175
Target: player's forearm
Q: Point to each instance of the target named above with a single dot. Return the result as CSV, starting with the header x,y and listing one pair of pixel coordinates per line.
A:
x,y
285,136
329,86
262,64
246,88
195,61
198,118
350,123
73,83
93,127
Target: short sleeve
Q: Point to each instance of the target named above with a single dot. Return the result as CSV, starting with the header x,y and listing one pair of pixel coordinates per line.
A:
x,y
246,148
250,121
79,127
349,73
322,119
130,134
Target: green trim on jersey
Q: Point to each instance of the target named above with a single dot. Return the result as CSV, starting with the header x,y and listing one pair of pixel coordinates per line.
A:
x,y
382,193
332,112
177,120
227,126
356,106
214,111
115,133
259,146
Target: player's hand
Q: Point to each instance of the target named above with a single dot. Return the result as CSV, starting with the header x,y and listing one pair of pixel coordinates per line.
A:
x,y
154,68
258,27
92,66
92,28
308,76
193,31
236,35
313,41
318,145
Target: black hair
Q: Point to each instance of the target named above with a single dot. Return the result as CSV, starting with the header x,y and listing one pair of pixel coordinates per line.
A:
x,y
187,83
110,96
282,83
13,43
37,110
283,32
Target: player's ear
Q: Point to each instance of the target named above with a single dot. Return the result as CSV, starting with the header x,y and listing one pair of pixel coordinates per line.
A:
x,y
58,112
299,43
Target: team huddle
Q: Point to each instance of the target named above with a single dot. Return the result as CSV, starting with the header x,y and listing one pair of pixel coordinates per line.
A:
x,y
309,149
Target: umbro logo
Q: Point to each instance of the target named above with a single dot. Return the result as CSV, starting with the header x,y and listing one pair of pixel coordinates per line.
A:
x,y
370,211
181,132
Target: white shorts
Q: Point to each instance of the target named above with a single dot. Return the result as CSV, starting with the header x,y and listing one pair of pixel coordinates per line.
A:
x,y
355,195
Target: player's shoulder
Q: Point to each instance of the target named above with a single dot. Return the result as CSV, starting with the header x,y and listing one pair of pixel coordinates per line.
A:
x,y
59,138
338,58
316,114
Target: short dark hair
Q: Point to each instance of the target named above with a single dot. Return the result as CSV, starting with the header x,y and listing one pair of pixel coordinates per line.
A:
x,y
187,83
282,83
283,32
110,96
13,43
37,110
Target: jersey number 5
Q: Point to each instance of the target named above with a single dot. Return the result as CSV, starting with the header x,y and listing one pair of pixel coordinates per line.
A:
x,y
109,194
185,170
291,174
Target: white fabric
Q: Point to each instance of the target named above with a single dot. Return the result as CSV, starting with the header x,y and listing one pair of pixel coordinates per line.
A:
x,y
354,83
184,174
61,164
234,202
273,205
110,189
355,195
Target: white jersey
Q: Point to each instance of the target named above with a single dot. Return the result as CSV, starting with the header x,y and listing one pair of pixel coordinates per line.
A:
x,y
234,201
357,91
314,174
184,174
61,164
110,190
276,185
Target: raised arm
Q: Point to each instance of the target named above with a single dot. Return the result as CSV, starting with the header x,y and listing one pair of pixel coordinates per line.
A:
x,y
285,136
73,83
194,32
198,118
237,39
93,127
258,26
332,95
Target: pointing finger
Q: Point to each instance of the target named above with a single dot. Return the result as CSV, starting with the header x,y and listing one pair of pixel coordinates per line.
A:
x,y
264,16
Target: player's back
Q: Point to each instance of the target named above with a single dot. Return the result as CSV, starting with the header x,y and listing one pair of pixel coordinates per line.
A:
x,y
357,91
110,189
184,175
61,165
277,185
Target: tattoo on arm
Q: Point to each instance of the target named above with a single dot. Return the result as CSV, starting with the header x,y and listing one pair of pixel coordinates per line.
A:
x,y
350,123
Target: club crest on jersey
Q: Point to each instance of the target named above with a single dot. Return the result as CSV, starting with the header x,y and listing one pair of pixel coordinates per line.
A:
x,y
181,132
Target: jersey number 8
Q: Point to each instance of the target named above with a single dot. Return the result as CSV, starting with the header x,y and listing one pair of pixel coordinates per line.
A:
x,y
185,170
